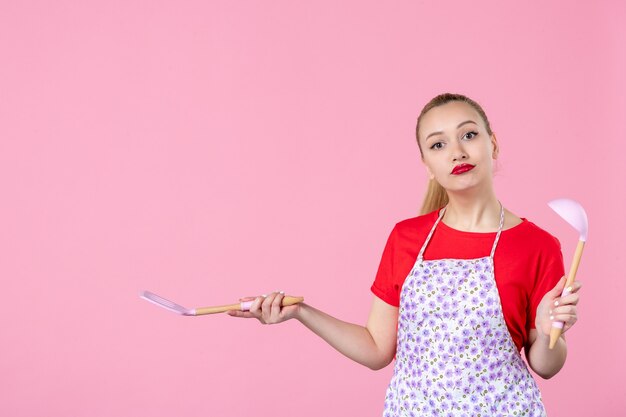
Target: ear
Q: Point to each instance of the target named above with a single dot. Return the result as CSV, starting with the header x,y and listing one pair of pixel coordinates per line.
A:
x,y
495,147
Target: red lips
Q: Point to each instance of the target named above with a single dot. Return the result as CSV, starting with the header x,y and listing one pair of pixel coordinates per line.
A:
x,y
460,169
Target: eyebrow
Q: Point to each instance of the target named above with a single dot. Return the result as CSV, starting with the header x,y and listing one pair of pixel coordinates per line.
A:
x,y
460,124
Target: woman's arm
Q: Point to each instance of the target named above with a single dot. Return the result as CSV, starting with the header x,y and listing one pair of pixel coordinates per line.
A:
x,y
544,361
373,345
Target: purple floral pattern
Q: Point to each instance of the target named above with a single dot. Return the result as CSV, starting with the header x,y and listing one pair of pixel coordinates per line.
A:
x,y
455,356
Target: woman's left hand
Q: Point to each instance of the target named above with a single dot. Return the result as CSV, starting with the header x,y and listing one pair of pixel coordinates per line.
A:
x,y
554,307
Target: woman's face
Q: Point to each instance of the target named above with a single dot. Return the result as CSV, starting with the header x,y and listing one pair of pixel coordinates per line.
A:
x,y
456,148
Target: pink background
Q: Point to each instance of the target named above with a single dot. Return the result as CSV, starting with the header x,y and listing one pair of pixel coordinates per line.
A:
x,y
209,150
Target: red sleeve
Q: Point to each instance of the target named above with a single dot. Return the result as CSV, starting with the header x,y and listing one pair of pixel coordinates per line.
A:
x,y
550,270
385,286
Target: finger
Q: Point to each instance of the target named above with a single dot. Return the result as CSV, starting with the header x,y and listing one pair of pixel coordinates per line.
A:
x,y
574,287
566,318
241,314
570,299
266,308
255,308
277,305
568,326
558,314
568,309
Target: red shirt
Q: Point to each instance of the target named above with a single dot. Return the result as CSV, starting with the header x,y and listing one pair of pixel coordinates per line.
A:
x,y
528,263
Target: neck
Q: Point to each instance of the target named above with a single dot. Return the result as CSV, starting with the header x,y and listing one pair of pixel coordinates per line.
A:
x,y
473,211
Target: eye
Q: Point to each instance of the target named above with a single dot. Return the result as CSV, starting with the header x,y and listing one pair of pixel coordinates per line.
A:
x,y
437,145
470,135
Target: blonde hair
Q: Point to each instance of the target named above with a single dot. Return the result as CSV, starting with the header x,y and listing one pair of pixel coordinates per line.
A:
x,y
436,196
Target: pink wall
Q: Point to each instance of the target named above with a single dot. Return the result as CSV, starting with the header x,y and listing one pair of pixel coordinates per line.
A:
x,y
212,150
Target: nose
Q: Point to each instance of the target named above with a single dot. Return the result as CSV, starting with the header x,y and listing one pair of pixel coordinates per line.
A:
x,y
458,152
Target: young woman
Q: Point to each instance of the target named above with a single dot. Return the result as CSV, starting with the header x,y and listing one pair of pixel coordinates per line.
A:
x,y
460,290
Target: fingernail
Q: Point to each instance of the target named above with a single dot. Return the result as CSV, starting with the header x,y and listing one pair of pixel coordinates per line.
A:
x,y
568,289
263,295
550,312
282,292
551,317
556,303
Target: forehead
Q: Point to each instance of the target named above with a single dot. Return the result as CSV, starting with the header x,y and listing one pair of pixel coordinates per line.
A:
x,y
448,117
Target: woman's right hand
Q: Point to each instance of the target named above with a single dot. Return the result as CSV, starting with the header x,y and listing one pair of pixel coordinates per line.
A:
x,y
267,309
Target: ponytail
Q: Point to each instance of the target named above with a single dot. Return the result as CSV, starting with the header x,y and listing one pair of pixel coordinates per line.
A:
x,y
435,198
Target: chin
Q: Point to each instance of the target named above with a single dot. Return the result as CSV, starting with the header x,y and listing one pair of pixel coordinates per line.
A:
x,y
459,188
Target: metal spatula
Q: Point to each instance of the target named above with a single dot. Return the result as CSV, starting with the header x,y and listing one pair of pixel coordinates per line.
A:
x,y
177,308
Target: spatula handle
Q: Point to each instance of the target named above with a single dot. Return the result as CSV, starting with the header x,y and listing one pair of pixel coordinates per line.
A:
x,y
557,326
244,306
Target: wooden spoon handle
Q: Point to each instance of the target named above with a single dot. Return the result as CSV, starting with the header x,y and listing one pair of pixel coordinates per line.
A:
x,y
287,301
